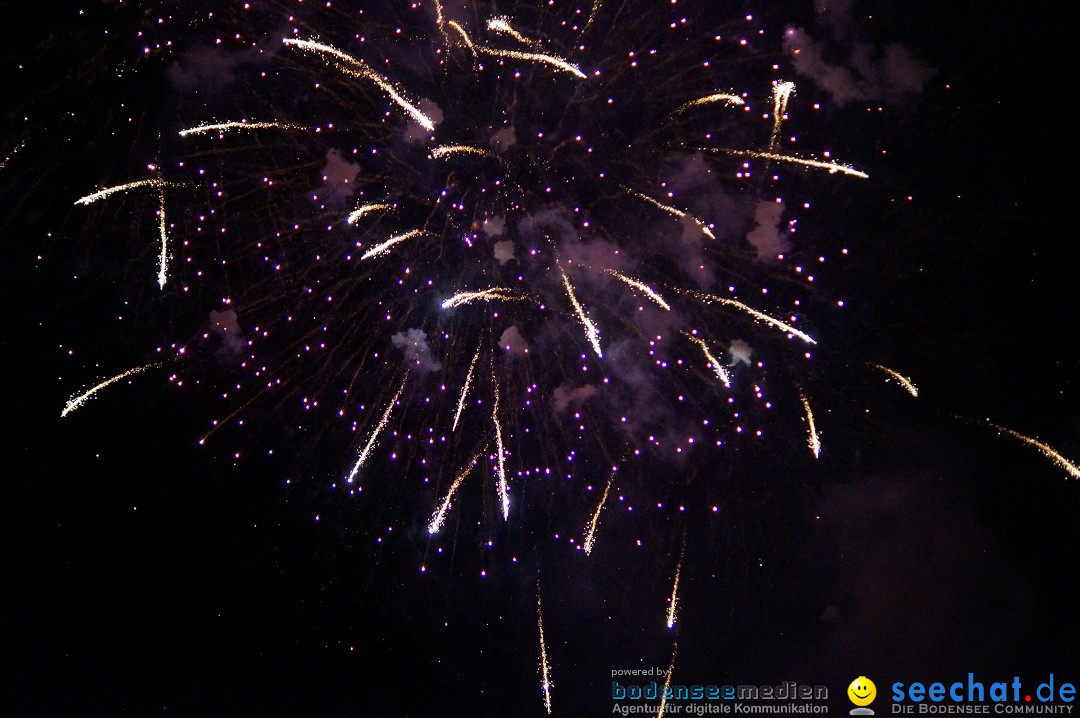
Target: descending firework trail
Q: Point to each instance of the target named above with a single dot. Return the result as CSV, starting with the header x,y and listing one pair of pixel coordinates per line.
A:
x,y
446,150
781,94
667,681
813,440
831,167
439,517
365,453
492,294
103,193
709,99
504,491
465,389
77,401
163,254
673,603
1070,468
909,387
545,667
784,326
590,531
591,332
223,127
714,363
676,212
365,210
384,247
641,286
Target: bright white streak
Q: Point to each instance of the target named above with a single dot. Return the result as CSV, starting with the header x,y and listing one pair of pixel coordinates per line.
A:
x,y
756,314
545,667
359,212
709,99
832,167
76,402
814,440
552,60
384,247
7,159
1072,469
591,332
439,517
492,294
465,389
100,194
163,255
504,491
717,367
502,25
904,381
356,68
674,603
373,439
464,36
781,94
241,125
444,150
674,211
667,681
590,536
642,287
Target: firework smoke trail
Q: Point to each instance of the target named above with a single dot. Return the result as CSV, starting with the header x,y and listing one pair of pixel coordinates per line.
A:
x,y
591,332
709,99
667,681
492,294
642,287
102,193
590,535
814,441
366,209
163,255
77,401
673,606
465,388
445,150
832,167
383,248
356,68
222,127
717,367
439,516
675,211
556,62
373,439
781,94
545,667
504,491
904,381
1070,468
784,326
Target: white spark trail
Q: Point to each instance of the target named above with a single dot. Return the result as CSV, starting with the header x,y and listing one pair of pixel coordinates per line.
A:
x,y
222,127
591,332
904,381
781,94
102,193
709,99
366,209
667,681
438,518
814,440
492,294
464,36
504,491
3,163
783,326
832,167
642,287
714,363
445,150
365,454
540,57
76,402
465,388
502,25
590,536
673,605
675,211
163,254
356,68
545,667
1046,450
384,247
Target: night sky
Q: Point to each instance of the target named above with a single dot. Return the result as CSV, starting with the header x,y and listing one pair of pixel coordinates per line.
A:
x,y
144,574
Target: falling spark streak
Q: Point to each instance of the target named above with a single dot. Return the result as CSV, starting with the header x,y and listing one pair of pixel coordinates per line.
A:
x,y
465,389
77,401
552,60
499,294
504,493
356,68
163,256
101,194
709,99
908,385
597,4
373,439
673,605
502,25
464,36
673,211
545,667
832,167
591,332
380,249
754,313
359,212
717,367
15,151
641,286
814,441
439,517
444,150
241,125
590,537
439,21
667,681
781,94
1072,469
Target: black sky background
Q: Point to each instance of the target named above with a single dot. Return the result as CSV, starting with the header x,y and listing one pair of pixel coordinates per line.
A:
x,y
142,577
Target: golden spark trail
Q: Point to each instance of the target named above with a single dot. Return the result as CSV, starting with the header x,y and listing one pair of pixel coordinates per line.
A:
x,y
590,536
439,21
383,248
444,150
781,94
597,4
591,332
904,381
241,125
717,367
492,294
673,211
1070,468
709,99
832,167
504,491
464,36
667,681
552,60
502,25
674,603
373,439
163,255
754,313
439,517
641,286
545,667
356,68
366,209
15,151
77,401
465,389
101,194
814,441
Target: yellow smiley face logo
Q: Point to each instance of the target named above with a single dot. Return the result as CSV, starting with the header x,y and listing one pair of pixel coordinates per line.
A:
x,y
862,691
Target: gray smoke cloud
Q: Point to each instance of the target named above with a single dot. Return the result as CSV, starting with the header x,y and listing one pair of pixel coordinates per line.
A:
x,y
418,354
